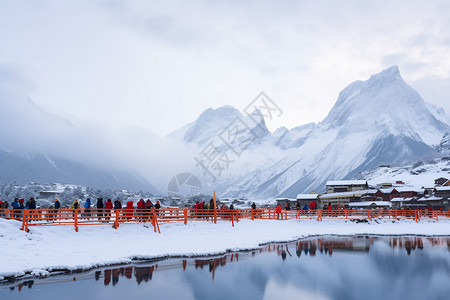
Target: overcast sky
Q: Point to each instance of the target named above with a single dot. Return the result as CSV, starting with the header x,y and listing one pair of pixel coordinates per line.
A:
x,y
159,64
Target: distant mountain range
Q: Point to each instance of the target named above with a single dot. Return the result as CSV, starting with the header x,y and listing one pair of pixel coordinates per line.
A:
x,y
39,146
378,121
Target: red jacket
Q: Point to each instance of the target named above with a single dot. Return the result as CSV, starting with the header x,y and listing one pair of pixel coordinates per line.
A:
x,y
278,210
140,204
130,205
109,205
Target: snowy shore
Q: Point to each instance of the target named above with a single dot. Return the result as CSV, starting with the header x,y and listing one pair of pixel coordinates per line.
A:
x,y
47,249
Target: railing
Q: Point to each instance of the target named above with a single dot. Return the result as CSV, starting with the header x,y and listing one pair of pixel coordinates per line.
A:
x,y
115,217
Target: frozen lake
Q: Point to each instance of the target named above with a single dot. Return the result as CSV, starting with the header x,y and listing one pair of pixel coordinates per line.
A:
x,y
364,267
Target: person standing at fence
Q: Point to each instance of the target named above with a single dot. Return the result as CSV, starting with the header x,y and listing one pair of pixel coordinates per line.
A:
x,y
56,207
76,204
5,206
32,207
87,208
140,206
278,211
157,207
148,206
129,210
288,205
99,209
16,206
117,204
253,209
108,206
211,208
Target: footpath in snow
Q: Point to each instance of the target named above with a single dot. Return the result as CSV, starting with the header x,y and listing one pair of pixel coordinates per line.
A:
x,y
47,249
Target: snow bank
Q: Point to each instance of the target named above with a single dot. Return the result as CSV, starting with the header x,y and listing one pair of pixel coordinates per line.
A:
x,y
47,249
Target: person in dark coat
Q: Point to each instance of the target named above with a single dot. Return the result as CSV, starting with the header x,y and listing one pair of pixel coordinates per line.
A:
x,y
253,209
157,207
117,204
147,206
100,207
32,206
287,206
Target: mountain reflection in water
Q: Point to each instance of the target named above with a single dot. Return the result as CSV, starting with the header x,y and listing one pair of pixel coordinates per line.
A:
x,y
297,267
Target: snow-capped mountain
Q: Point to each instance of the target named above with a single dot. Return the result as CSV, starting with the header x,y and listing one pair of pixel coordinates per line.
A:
x,y
378,121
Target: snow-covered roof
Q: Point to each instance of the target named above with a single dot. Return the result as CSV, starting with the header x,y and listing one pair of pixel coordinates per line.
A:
x,y
284,199
346,182
307,196
442,188
347,194
432,198
369,203
398,199
409,189
387,190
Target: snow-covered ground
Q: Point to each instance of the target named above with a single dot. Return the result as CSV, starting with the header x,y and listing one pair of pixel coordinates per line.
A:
x,y
47,249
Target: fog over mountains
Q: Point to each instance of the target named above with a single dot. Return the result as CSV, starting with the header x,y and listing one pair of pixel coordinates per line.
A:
x,y
378,121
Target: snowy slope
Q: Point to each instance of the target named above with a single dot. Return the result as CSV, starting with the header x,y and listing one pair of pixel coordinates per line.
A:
x,y
444,146
420,174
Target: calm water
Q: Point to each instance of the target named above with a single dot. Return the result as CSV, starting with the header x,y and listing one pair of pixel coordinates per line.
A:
x,y
318,268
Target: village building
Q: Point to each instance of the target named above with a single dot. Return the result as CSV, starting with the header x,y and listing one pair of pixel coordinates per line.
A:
x,y
341,200
308,199
49,194
283,201
387,194
339,186
440,192
370,205
441,181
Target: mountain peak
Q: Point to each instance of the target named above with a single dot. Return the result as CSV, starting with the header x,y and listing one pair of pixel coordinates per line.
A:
x,y
390,74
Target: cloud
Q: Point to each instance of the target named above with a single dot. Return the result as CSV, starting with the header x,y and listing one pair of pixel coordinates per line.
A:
x,y
159,64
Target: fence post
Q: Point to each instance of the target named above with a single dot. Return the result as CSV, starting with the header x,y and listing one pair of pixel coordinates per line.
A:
x,y
269,213
185,216
252,211
116,221
237,215
75,217
368,215
155,222
346,213
415,216
24,222
215,208
232,219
